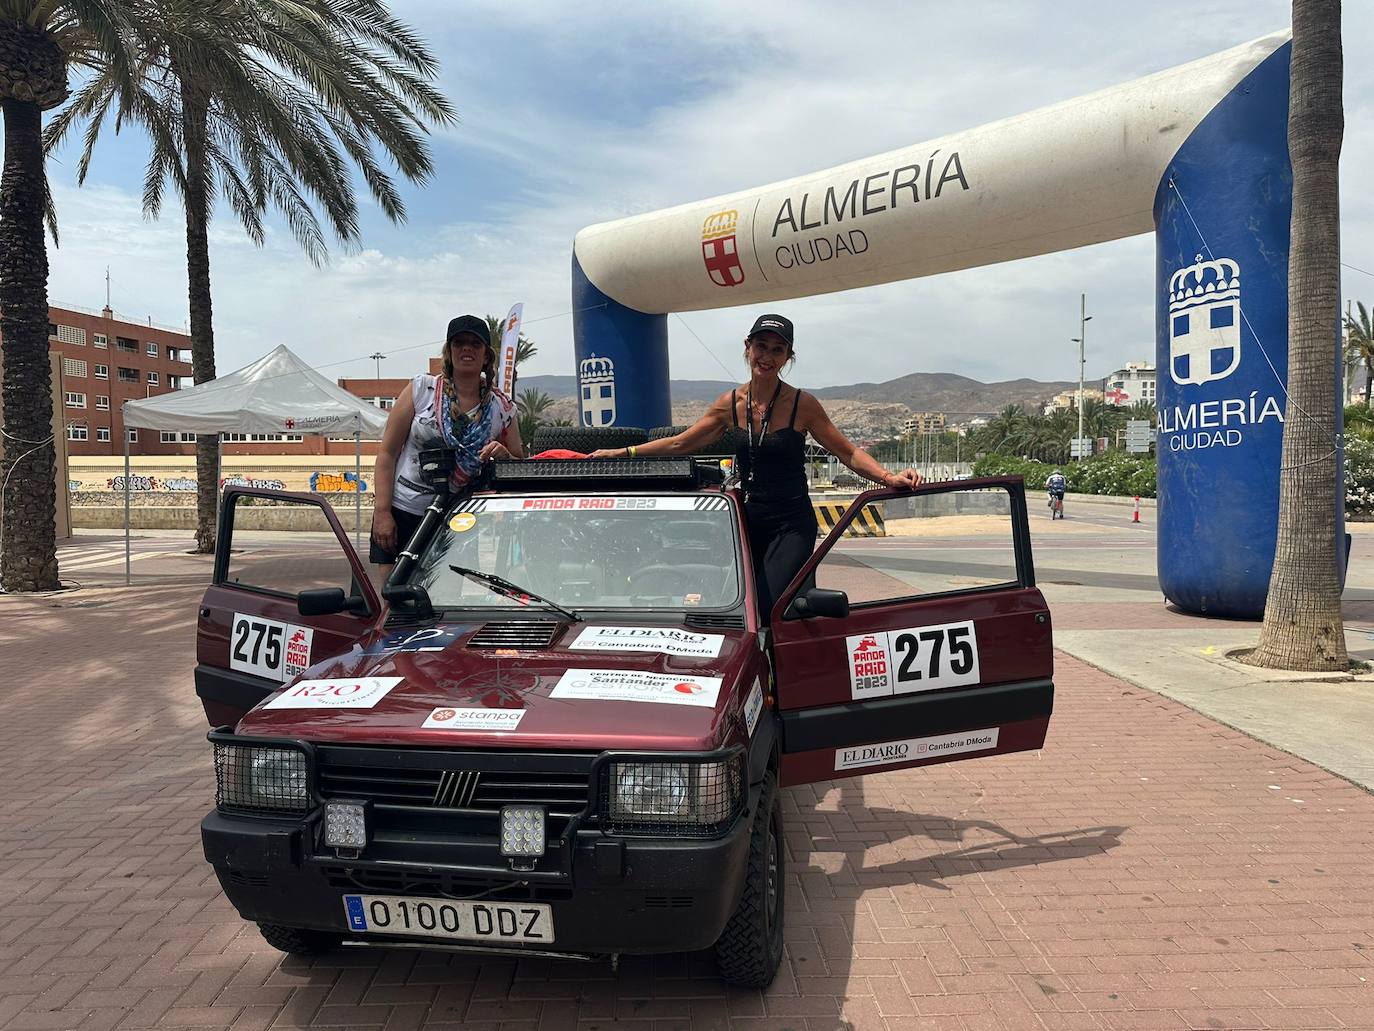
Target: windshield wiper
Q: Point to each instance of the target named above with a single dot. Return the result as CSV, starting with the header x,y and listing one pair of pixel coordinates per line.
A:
x,y
504,587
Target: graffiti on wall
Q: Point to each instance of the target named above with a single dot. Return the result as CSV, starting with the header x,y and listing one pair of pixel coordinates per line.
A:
x,y
244,481
346,482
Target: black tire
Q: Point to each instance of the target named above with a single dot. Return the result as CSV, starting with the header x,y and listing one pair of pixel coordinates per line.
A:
x,y
585,439
733,441
749,950
298,941
659,432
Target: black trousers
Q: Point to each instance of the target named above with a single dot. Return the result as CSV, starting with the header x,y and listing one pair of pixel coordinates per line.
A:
x,y
782,536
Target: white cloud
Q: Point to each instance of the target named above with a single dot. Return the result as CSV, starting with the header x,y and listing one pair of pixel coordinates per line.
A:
x,y
754,93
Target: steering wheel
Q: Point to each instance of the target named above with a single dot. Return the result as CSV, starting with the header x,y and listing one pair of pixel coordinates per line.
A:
x,y
675,581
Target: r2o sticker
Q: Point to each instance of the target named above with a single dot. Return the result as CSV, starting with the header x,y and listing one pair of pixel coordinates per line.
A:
x,y
906,661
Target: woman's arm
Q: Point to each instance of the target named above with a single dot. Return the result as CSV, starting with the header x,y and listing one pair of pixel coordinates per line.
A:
x,y
706,430
814,419
507,445
384,470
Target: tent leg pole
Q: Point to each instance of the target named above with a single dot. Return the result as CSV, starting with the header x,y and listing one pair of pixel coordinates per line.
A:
x,y
127,561
357,489
219,475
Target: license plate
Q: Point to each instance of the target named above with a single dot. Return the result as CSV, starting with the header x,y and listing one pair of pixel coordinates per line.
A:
x,y
446,918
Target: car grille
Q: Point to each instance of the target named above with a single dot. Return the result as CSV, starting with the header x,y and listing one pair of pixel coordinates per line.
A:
x,y
438,883
525,633
464,786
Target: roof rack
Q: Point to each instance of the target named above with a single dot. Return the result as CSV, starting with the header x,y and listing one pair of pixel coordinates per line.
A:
x,y
583,473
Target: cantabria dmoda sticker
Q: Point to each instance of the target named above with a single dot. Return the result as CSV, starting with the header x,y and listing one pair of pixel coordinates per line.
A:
x,y
888,753
669,640
462,522
628,685
357,693
450,718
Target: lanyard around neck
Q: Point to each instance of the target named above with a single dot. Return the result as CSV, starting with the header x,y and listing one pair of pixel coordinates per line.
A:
x,y
763,426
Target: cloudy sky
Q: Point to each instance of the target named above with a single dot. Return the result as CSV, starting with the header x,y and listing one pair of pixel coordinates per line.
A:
x,y
568,120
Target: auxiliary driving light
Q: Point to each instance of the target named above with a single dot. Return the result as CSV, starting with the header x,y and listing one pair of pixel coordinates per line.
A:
x,y
345,825
522,830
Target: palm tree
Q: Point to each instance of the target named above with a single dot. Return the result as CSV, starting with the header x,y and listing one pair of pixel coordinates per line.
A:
x,y
39,40
1302,627
1143,410
266,102
532,404
1359,338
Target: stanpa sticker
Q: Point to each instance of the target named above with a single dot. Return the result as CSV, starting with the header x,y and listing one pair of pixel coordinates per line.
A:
x,y
915,749
753,707
358,693
919,658
629,685
473,719
268,648
669,640
592,503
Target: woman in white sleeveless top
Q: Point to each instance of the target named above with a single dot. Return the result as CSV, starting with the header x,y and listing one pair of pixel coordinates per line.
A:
x,y
463,410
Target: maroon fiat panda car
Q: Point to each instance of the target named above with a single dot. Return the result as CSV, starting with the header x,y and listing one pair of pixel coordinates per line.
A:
x,y
565,729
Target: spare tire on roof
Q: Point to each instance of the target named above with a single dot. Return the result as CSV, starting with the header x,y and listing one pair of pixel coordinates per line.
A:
x,y
659,432
585,439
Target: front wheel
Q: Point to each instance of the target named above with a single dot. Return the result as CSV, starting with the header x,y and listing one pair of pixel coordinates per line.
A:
x,y
749,950
298,941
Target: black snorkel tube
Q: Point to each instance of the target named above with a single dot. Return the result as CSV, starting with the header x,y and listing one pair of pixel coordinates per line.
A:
x,y
436,468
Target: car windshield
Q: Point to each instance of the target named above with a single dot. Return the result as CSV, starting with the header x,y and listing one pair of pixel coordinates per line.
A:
x,y
632,551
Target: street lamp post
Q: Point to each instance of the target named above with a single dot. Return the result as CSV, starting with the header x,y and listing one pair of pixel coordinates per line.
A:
x,y
1083,319
377,357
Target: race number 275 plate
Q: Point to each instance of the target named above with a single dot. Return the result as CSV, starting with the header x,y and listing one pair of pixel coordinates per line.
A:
x,y
918,658
446,918
267,648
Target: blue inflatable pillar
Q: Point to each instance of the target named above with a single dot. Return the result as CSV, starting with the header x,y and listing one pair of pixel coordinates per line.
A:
x,y
1222,216
622,359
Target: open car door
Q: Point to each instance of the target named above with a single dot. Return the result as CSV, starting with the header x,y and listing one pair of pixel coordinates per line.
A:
x,y
250,637
939,648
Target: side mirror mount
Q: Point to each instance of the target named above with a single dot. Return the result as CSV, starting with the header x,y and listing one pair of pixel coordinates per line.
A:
x,y
820,602
410,596
326,601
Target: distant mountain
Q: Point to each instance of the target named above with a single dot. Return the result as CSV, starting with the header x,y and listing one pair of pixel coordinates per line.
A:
x,y
958,396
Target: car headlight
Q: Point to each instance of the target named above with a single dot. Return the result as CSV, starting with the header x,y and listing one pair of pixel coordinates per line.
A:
x,y
261,777
698,797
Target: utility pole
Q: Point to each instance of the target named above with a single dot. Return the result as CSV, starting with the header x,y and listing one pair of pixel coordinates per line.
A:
x,y
1083,319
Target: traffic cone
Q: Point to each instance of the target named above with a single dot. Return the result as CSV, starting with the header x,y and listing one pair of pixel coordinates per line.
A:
x,y
1136,518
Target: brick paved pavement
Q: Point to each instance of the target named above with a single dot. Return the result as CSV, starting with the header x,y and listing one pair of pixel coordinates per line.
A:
x,y
1149,869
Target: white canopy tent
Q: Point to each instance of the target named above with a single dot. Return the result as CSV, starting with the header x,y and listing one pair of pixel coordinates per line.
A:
x,y
278,393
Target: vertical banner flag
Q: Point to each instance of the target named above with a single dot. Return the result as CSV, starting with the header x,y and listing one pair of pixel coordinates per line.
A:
x,y
505,359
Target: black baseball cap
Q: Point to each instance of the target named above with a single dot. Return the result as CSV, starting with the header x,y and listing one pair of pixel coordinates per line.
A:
x,y
773,324
474,324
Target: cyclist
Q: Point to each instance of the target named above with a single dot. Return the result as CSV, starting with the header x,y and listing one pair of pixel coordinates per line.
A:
x,y
1056,485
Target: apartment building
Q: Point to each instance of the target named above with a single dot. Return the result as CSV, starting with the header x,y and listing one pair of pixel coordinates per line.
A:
x,y
106,361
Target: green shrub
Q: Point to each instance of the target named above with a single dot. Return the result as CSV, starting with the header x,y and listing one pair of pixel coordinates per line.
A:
x,y
1359,476
1112,472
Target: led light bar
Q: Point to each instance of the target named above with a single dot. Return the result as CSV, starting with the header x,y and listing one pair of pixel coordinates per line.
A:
x,y
688,472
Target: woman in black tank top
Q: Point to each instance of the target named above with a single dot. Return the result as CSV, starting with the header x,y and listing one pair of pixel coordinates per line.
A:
x,y
771,461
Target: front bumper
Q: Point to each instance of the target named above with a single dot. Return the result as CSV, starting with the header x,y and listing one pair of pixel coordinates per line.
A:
x,y
609,894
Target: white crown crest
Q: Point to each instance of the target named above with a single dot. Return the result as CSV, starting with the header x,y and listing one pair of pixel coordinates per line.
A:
x,y
595,368
1204,280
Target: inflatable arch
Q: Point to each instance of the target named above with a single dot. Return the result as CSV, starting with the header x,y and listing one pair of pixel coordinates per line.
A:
x,y
1198,154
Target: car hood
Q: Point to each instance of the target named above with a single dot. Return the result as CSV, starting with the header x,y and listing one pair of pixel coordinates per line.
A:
x,y
391,684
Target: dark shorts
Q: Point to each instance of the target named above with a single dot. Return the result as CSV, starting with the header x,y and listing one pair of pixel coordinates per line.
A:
x,y
406,525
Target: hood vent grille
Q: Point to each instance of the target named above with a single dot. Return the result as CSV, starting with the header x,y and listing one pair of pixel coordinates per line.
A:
x,y
535,633
715,620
